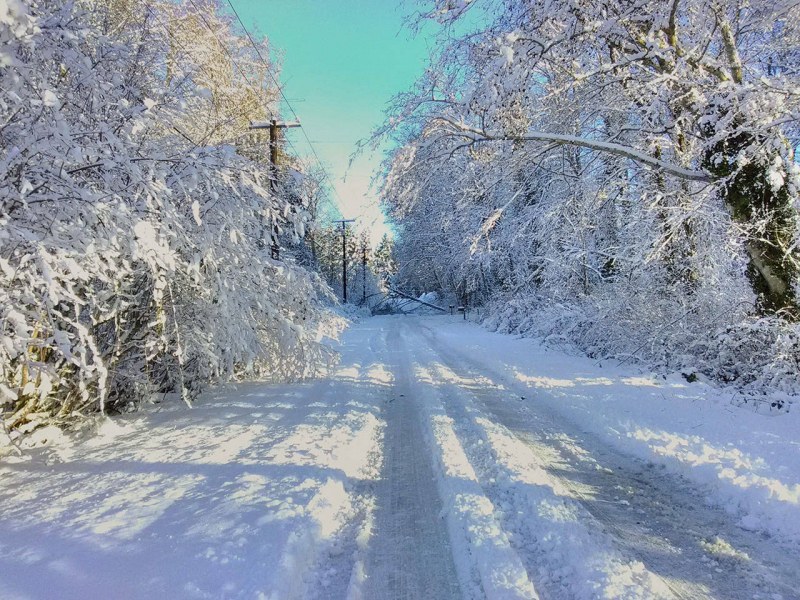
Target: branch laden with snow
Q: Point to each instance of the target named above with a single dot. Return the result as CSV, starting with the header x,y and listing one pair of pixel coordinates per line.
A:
x,y
592,169
134,234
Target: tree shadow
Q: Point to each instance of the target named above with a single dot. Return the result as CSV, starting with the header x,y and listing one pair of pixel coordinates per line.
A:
x,y
164,511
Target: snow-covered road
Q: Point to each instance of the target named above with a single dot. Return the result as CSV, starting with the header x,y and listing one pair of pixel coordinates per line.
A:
x,y
438,461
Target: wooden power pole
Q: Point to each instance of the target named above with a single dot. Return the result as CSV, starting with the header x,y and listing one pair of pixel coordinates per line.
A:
x,y
344,223
364,271
274,127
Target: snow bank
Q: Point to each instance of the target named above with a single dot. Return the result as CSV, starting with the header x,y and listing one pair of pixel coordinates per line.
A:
x,y
749,460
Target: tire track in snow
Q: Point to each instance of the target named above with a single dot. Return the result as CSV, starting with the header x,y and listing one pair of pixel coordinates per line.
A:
x,y
408,552
661,519
564,550
487,564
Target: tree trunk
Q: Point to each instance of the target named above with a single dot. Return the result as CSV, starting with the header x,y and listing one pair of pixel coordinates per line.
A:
x,y
768,215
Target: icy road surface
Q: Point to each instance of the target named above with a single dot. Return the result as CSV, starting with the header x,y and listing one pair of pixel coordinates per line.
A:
x,y
438,461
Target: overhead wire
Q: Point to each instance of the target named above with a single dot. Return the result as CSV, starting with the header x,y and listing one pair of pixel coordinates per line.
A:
x,y
337,209
250,84
153,14
288,104
236,65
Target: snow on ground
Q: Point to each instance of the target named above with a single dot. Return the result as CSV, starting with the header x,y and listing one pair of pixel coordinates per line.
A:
x,y
750,460
486,558
249,494
662,531
579,557
438,461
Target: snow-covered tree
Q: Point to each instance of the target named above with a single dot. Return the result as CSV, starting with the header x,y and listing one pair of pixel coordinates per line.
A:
x,y
384,264
599,167
134,219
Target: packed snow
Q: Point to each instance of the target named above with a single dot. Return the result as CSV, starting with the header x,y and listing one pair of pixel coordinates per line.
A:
x,y
437,460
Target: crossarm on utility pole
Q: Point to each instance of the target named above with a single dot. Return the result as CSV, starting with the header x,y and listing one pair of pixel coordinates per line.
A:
x,y
274,126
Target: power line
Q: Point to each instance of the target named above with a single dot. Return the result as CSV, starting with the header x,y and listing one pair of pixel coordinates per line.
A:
x,y
250,84
200,66
223,46
288,104
236,65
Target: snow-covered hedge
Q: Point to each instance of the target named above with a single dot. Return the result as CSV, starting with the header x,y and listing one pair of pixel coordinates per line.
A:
x,y
758,355
133,236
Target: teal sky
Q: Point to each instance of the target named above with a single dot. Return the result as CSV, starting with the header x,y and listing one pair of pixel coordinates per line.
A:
x,y
342,61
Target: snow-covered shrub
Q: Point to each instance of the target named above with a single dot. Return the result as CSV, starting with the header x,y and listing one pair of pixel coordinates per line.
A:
x,y
756,354
133,236
618,176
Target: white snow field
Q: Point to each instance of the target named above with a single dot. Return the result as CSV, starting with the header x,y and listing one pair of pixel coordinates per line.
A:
x,y
438,461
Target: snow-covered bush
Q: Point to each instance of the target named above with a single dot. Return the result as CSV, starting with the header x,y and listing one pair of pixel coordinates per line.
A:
x,y
616,175
133,235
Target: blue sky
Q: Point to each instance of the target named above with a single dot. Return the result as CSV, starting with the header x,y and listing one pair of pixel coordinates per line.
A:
x,y
343,60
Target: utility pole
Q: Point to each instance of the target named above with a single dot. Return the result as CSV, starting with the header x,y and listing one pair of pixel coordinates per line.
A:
x,y
274,127
344,223
364,271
